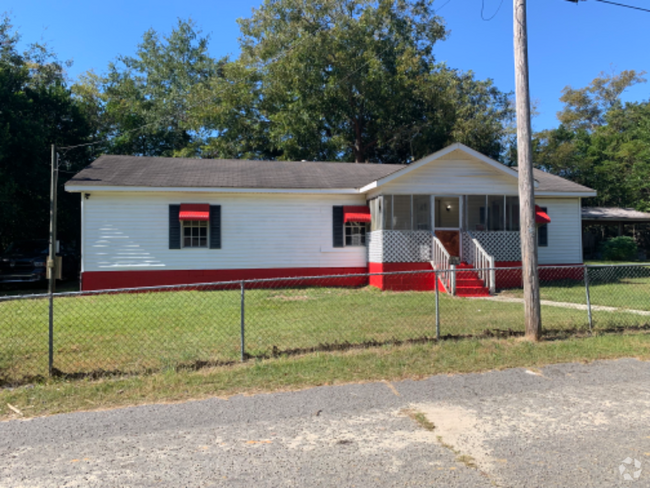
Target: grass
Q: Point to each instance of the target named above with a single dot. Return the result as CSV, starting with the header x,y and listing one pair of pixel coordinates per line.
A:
x,y
420,419
625,288
390,363
149,332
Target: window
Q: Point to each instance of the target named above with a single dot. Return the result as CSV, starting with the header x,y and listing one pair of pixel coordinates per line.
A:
x,y
376,212
402,212
512,213
421,212
195,233
355,234
495,212
388,212
542,232
492,213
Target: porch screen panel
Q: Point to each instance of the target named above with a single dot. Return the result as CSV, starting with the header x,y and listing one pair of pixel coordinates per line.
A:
x,y
512,213
421,212
402,212
495,212
388,212
377,218
476,213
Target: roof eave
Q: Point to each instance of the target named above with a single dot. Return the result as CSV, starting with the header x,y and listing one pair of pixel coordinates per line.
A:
x,y
75,188
583,194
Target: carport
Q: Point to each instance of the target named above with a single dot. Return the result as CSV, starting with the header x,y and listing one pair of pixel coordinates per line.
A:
x,y
601,223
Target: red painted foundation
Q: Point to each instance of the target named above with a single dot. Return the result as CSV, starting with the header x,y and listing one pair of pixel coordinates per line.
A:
x,y
506,278
512,278
402,282
110,280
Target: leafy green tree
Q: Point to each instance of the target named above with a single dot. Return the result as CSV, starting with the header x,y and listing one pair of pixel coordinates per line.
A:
x,y
602,143
351,80
36,110
140,105
585,108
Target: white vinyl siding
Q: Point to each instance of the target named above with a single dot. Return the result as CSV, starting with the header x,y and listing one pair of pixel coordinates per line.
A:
x,y
130,231
457,173
564,231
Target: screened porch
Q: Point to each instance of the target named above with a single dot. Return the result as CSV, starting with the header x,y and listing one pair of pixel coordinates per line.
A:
x,y
404,227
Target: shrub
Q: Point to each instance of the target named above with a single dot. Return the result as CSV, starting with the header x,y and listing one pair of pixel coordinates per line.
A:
x,y
621,248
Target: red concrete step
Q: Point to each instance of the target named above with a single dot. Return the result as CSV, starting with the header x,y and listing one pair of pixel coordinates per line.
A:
x,y
469,282
472,294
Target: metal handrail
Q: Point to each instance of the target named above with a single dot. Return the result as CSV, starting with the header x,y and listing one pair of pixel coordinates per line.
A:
x,y
483,262
441,262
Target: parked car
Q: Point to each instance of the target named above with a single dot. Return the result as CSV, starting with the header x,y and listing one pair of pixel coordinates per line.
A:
x,y
26,261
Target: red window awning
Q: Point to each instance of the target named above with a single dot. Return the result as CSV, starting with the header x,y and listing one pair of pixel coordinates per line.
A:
x,y
356,213
541,217
194,211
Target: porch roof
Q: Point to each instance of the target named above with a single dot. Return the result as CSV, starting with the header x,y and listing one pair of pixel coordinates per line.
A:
x,y
553,183
614,214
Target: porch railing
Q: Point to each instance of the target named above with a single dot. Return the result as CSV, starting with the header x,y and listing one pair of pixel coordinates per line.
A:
x,y
441,262
482,261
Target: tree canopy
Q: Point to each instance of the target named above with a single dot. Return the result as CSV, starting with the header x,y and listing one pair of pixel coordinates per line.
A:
x,y
602,142
140,106
37,110
351,80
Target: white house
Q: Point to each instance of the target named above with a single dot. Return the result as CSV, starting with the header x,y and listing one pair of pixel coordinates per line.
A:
x,y
157,221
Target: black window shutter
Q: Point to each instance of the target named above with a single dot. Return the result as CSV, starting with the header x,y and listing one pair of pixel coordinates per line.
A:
x,y
174,227
337,226
215,226
542,232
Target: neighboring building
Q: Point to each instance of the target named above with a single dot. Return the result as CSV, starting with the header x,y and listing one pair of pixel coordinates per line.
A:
x,y
157,221
601,223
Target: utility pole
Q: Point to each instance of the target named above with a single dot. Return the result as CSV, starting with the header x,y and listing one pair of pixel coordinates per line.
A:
x,y
528,231
51,259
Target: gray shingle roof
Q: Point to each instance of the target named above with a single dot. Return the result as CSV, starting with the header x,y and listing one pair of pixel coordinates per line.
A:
x,y
136,171
614,213
227,173
549,182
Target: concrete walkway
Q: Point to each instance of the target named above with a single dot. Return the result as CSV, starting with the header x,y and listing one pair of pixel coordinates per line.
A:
x,y
575,306
564,425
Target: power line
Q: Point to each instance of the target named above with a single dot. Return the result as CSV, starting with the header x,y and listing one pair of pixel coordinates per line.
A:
x,y
483,10
625,5
615,3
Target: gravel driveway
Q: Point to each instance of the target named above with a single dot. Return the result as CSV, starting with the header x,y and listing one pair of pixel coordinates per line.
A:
x,y
565,425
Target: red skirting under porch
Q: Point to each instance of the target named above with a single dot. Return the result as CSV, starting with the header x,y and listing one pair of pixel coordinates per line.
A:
x,y
402,282
111,280
512,278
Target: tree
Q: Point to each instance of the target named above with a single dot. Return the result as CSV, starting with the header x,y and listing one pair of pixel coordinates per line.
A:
x,y
601,142
37,109
353,80
140,105
585,108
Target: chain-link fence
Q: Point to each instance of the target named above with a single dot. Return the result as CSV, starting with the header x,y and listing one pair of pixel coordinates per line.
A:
x,y
152,329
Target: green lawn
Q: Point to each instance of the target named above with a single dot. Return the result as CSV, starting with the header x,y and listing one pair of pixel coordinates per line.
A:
x,y
625,288
388,363
132,333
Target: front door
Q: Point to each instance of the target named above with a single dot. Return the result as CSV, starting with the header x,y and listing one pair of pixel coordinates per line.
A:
x,y
447,223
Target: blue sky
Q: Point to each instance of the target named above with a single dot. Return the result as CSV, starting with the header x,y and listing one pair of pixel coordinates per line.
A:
x,y
569,44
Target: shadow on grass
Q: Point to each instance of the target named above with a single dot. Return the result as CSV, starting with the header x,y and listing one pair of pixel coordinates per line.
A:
x,y
276,352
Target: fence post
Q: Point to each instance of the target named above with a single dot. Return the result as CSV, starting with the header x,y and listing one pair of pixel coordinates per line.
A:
x,y
50,358
242,324
586,276
452,282
493,277
437,288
